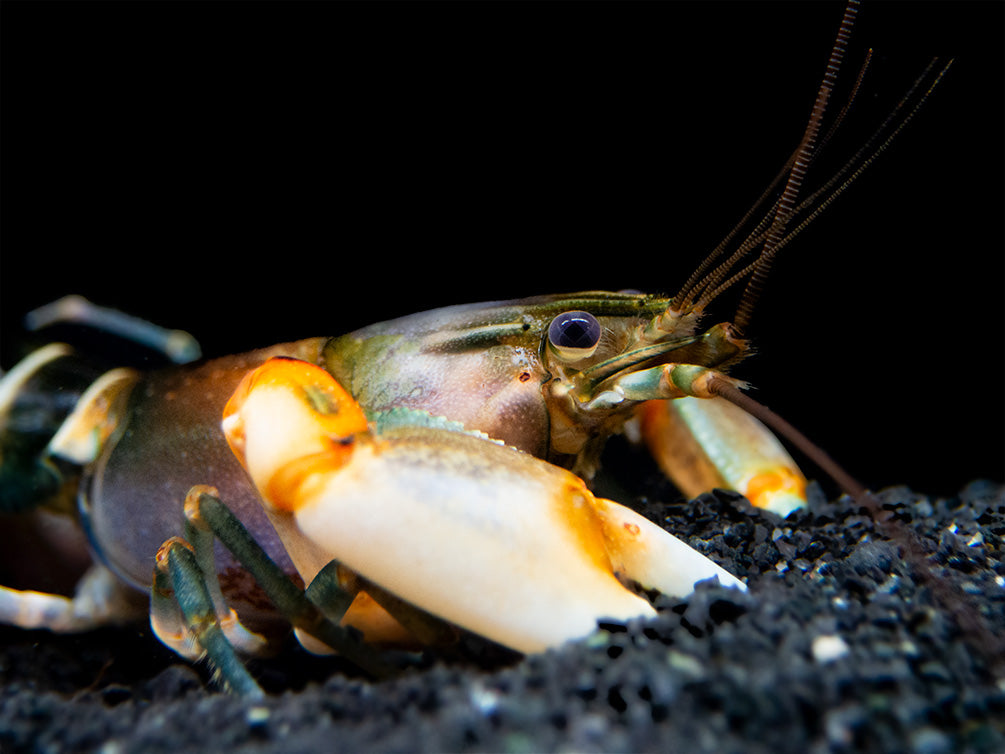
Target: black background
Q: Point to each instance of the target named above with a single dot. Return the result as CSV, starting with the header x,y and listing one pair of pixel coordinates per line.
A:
x,y
261,172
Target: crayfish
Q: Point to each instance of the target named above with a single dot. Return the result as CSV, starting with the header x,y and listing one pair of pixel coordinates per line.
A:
x,y
390,486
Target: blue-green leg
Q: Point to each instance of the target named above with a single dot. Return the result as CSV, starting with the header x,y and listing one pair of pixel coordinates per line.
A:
x,y
178,574
208,518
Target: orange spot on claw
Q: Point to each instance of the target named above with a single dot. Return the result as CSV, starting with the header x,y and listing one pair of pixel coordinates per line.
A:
x,y
763,485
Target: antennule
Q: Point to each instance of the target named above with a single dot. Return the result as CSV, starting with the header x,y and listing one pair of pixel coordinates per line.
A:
x,y
790,194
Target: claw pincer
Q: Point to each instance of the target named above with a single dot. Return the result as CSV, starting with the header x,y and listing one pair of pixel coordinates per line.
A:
x,y
468,529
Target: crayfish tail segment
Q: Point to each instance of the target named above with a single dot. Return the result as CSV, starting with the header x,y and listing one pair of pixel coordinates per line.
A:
x,y
475,533
704,443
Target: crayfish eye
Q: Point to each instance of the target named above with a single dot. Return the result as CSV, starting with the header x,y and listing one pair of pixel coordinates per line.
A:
x,y
574,335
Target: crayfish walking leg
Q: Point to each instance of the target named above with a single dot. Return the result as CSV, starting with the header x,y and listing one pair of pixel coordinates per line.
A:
x,y
188,612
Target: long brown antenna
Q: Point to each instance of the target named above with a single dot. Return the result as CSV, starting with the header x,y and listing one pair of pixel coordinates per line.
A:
x,y
804,154
728,391
974,626
705,286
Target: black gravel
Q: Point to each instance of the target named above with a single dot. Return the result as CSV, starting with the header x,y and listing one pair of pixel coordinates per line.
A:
x,y
845,642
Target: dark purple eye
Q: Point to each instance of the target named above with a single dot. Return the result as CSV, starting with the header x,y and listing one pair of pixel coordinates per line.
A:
x,y
574,335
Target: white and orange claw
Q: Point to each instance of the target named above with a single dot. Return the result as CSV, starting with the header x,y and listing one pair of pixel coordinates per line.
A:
x,y
477,533
703,443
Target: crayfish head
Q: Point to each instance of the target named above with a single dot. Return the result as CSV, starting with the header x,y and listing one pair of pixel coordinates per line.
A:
x,y
605,364
283,414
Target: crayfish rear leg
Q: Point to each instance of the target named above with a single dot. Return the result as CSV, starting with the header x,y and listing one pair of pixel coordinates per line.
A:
x,y
100,599
189,614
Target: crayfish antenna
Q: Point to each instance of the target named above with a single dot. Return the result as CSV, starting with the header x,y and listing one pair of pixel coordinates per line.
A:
x,y
786,218
968,618
705,285
804,154
726,390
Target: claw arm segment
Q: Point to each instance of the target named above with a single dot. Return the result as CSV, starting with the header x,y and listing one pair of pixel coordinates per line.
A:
x,y
702,444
